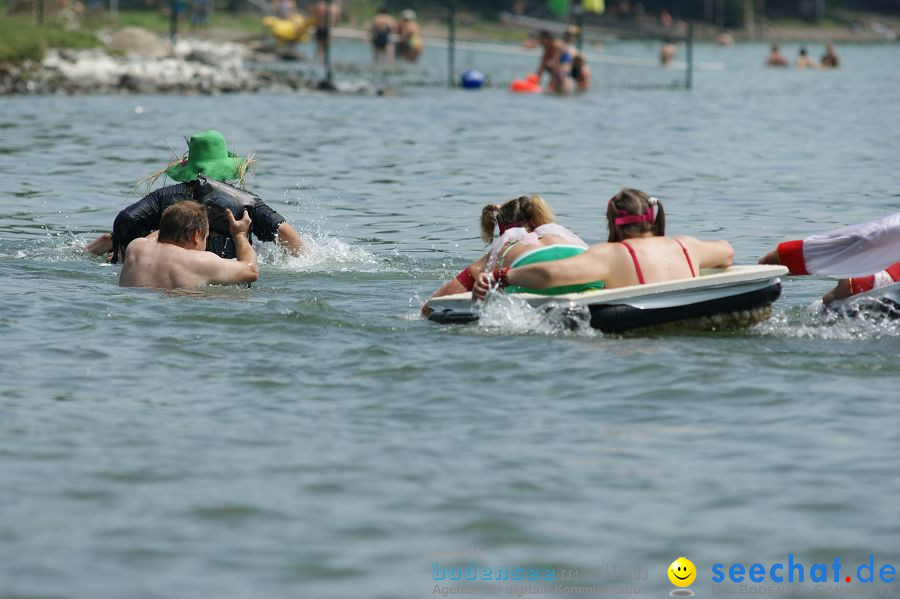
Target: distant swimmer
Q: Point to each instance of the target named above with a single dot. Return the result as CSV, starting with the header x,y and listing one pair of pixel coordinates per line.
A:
x,y
526,233
667,53
581,73
409,46
804,61
175,256
830,59
383,27
852,253
202,175
557,61
638,252
725,39
776,58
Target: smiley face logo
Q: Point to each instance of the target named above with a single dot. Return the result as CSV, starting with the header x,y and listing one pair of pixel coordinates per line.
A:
x,y
682,572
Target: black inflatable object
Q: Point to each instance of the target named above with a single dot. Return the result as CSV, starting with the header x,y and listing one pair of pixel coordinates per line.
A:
x,y
220,197
451,316
620,317
884,302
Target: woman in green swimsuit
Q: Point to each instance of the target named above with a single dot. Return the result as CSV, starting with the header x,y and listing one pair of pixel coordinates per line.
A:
x,y
526,235
637,252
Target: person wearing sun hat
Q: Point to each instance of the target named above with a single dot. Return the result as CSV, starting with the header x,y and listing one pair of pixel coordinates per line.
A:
x,y
208,155
202,175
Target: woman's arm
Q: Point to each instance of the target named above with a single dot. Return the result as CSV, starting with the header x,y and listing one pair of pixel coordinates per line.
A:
x,y
460,283
709,254
592,265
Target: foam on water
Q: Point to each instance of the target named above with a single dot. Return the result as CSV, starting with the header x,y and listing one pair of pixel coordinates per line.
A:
x,y
321,251
506,314
814,322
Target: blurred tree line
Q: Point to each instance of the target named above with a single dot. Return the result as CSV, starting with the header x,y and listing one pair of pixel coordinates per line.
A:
x,y
727,13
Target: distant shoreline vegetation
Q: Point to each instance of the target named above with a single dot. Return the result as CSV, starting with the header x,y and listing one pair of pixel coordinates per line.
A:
x,y
21,39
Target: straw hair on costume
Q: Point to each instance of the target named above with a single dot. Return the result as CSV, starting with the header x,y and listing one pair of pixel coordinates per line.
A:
x,y
211,159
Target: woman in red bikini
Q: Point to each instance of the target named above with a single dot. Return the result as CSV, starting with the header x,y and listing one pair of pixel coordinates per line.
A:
x,y
637,252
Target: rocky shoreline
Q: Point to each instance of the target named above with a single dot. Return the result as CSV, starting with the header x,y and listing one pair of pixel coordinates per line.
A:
x,y
138,61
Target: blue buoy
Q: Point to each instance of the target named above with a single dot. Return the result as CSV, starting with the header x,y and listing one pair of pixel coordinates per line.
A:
x,y
472,79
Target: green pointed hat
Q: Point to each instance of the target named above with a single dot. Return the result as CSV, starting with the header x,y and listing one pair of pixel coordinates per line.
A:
x,y
207,155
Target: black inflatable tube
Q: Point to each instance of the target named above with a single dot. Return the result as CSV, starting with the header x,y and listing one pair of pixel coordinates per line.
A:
x,y
616,318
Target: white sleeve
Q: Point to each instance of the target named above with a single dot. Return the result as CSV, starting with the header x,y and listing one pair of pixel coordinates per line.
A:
x,y
854,251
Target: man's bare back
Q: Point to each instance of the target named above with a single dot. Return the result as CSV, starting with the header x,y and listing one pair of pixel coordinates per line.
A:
x,y
165,265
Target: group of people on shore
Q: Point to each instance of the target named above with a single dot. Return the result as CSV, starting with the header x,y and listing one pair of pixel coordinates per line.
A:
x,y
199,231
391,38
829,60
288,25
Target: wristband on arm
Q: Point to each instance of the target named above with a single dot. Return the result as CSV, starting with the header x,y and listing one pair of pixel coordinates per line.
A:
x,y
500,278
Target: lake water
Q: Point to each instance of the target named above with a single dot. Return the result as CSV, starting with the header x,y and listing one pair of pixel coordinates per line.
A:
x,y
312,437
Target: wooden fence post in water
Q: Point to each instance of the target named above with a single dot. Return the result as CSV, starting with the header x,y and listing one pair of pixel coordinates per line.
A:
x,y
689,73
328,84
173,21
578,14
451,44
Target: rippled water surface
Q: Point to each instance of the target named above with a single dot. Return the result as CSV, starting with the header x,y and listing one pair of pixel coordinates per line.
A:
x,y
312,437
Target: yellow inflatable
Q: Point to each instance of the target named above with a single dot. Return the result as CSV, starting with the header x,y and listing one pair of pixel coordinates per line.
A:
x,y
286,31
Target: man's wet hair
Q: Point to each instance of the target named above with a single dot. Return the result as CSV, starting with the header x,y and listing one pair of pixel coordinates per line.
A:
x,y
181,220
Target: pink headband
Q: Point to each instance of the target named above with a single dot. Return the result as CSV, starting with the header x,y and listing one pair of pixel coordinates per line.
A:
x,y
628,219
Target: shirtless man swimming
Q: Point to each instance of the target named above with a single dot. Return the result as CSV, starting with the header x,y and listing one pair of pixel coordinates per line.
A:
x,y
175,256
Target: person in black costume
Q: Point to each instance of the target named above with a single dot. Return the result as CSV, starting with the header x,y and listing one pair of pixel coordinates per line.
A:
x,y
201,175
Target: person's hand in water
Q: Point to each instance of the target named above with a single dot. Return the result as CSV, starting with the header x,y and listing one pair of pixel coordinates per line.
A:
x,y
482,286
771,258
488,281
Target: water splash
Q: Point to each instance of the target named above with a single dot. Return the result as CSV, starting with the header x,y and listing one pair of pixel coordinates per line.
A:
x,y
507,314
814,322
321,251
54,247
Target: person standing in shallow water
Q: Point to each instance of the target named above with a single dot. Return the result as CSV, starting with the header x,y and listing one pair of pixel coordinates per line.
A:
x,y
830,59
383,27
557,61
804,61
409,45
201,175
776,58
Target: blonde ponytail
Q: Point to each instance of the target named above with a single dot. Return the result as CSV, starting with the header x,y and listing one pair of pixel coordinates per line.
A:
x,y
489,221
